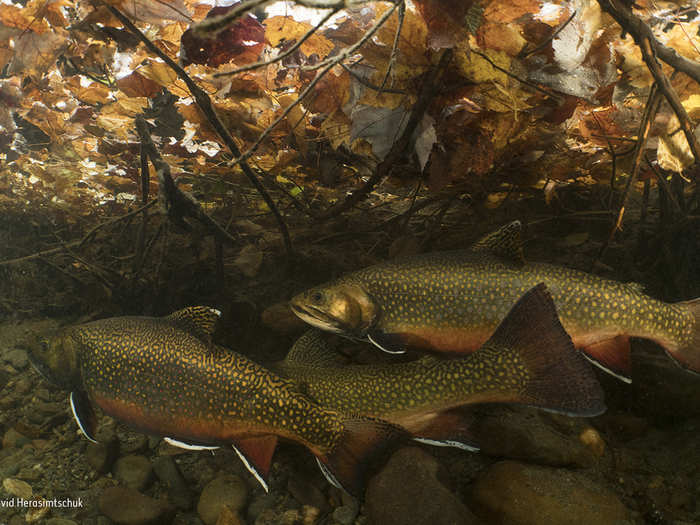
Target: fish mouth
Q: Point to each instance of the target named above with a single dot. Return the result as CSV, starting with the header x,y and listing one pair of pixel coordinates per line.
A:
x,y
318,318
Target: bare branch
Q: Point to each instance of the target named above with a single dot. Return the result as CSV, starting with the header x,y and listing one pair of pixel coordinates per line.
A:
x,y
281,56
395,45
207,108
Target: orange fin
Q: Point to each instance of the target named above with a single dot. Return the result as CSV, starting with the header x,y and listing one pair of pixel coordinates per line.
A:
x,y
363,446
256,454
688,355
559,377
611,355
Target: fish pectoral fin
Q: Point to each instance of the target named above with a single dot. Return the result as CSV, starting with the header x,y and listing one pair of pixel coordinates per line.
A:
x,y
389,343
612,355
506,242
448,443
187,446
84,414
256,454
200,321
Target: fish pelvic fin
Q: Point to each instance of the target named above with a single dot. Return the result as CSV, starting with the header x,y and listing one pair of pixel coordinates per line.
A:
x,y
198,320
364,445
687,354
506,242
560,379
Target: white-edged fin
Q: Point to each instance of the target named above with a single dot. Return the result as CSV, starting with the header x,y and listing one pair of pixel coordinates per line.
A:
x,y
215,311
76,409
447,443
187,446
251,468
329,475
375,343
622,378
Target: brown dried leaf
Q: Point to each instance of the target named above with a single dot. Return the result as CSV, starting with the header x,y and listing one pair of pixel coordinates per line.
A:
x,y
285,28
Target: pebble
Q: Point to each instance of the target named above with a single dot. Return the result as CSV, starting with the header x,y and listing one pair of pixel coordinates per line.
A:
x,y
17,487
179,493
134,443
102,455
521,494
408,492
260,504
229,490
17,358
129,507
307,493
309,515
345,514
133,471
13,439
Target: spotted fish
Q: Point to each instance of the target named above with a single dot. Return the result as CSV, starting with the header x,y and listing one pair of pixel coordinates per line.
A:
x,y
163,376
529,360
452,301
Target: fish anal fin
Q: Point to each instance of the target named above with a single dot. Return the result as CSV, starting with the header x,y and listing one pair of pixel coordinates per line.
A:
x,y
256,454
506,242
559,379
200,321
84,414
612,355
364,445
452,428
389,343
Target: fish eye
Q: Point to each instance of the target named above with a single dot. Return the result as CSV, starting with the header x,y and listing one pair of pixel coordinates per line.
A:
x,y
44,345
316,297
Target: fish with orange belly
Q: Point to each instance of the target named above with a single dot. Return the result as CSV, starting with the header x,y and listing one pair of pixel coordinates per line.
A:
x,y
451,302
162,376
529,360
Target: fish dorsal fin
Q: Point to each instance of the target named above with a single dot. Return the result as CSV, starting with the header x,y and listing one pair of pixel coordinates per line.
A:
x,y
256,454
314,349
635,287
198,320
84,414
506,242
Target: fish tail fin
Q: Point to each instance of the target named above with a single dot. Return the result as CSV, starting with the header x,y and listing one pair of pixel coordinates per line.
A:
x,y
560,379
687,354
364,445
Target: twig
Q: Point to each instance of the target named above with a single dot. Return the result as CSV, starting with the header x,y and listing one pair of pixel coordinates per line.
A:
x,y
345,53
671,96
329,64
521,80
205,105
664,186
524,53
641,31
368,84
93,231
283,55
395,45
177,203
650,110
425,96
209,27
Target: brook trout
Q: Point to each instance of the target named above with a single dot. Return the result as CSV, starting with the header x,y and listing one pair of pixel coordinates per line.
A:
x,y
529,360
452,302
163,376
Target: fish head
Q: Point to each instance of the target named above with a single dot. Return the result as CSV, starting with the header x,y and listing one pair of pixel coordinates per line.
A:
x,y
56,359
343,308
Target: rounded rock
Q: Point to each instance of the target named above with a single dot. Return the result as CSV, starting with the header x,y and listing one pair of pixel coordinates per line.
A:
x,y
228,490
134,472
130,507
520,494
